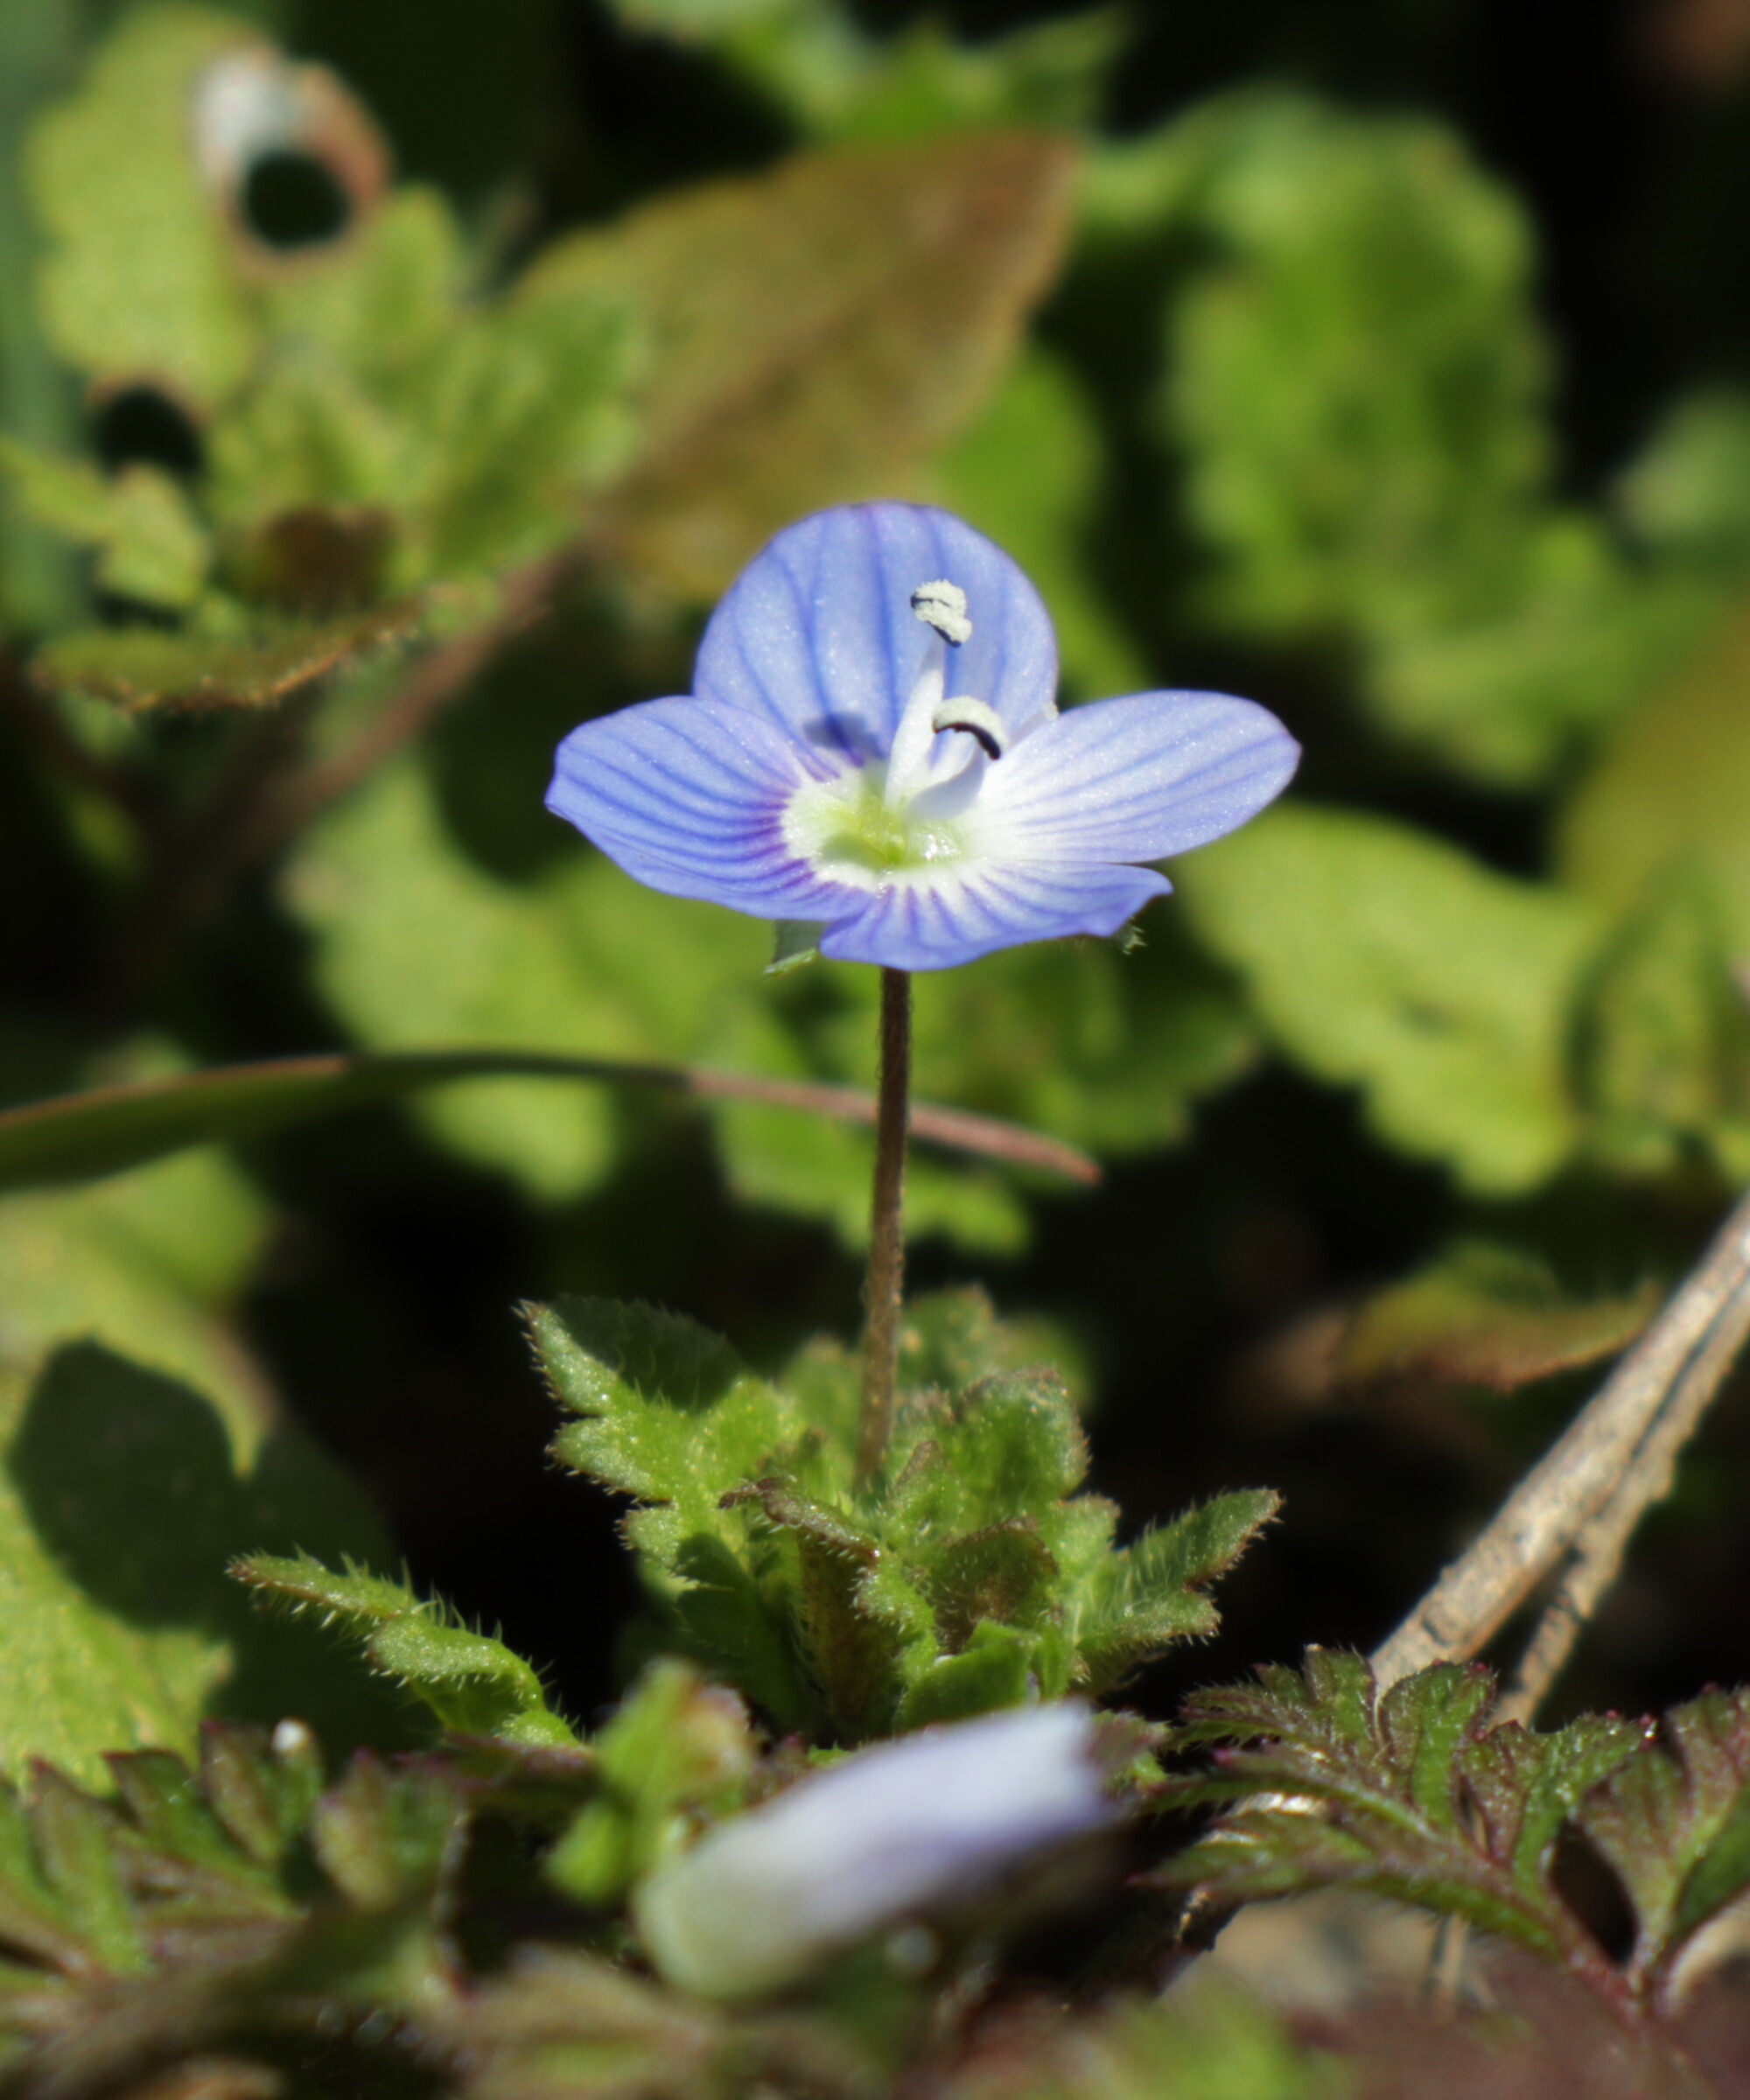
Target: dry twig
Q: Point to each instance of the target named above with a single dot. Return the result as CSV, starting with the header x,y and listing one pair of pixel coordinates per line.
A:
x,y
1580,1505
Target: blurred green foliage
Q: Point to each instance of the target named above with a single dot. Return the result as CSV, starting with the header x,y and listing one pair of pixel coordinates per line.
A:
x,y
342,469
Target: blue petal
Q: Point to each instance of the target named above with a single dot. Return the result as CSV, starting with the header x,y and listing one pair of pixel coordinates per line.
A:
x,y
935,921
817,633
689,796
1133,780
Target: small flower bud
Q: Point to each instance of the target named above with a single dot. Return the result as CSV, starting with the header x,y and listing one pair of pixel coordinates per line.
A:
x,y
929,1821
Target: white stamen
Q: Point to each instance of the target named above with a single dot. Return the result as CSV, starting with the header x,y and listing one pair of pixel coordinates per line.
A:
x,y
977,718
908,759
943,605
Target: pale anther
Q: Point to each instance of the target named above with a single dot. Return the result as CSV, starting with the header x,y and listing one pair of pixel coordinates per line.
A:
x,y
943,605
977,719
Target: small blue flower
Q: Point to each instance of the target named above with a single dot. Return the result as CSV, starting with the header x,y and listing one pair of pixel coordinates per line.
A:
x,y
873,747
923,1823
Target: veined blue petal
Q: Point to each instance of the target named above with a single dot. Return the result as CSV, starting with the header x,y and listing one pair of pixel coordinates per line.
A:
x,y
944,915
818,633
1132,779
688,795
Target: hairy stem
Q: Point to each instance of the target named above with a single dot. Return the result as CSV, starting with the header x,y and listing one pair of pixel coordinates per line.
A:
x,y
887,1234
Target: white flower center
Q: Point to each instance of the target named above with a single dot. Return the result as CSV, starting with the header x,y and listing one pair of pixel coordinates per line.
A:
x,y
898,816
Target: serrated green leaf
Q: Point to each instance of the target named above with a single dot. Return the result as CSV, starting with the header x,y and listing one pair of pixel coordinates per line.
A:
x,y
1412,1797
1526,1786
1006,1446
388,1838
473,1685
1674,1822
163,1799
1380,958
33,1919
1139,1599
259,1794
725,1617
1002,1575
667,1411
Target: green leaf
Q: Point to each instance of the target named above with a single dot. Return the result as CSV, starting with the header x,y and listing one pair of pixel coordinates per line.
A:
x,y
992,1671
1410,1795
141,279
677,1751
1381,958
150,545
528,415
1663,1047
1483,1314
1357,382
667,1410
117,1632
839,1608
146,1262
385,1839
1674,1822
142,666
560,966
814,333
474,1685
1686,494
1669,791
1006,1443
1138,1600
74,1839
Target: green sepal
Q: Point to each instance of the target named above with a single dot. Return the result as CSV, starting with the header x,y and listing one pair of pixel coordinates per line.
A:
x,y
795,941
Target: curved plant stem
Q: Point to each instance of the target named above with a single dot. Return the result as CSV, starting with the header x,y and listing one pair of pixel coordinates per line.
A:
x,y
887,1233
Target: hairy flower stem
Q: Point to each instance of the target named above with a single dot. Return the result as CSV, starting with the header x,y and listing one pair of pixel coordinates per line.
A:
x,y
887,1234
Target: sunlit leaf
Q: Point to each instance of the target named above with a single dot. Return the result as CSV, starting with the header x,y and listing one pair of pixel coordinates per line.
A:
x,y
140,280
116,1632
473,1682
1380,958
